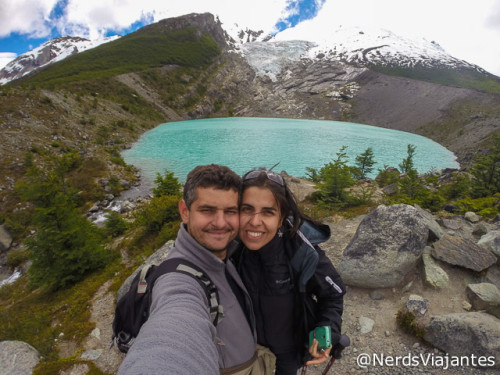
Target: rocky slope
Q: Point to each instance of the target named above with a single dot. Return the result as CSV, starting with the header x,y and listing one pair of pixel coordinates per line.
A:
x,y
370,311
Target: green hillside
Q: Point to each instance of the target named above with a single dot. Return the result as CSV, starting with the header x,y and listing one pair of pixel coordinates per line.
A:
x,y
132,53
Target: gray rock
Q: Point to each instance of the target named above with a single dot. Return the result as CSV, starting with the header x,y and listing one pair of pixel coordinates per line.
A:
x,y
386,246
366,324
463,252
435,231
472,217
376,295
17,358
493,275
453,224
464,334
479,229
417,305
5,238
156,258
484,296
491,241
435,276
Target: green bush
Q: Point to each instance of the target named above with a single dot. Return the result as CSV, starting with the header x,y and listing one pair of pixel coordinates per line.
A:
x,y
16,258
115,225
167,184
160,211
387,176
487,207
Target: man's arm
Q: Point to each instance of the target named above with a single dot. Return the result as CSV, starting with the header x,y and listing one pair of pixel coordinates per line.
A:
x,y
179,336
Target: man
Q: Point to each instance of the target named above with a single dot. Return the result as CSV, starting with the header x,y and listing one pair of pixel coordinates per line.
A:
x,y
179,337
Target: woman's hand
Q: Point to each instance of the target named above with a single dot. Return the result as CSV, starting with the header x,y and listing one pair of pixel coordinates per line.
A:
x,y
319,355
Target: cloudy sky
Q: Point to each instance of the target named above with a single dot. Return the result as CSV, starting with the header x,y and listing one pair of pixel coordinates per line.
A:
x,y
468,30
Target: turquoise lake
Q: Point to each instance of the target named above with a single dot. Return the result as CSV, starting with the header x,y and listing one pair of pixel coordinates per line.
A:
x,y
244,143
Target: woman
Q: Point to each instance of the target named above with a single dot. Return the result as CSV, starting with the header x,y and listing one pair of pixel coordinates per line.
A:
x,y
293,285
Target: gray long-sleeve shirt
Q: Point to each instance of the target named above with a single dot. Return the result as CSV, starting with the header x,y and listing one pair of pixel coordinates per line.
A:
x,y
179,336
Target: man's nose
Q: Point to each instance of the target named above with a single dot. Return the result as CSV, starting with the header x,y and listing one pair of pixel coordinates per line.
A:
x,y
220,219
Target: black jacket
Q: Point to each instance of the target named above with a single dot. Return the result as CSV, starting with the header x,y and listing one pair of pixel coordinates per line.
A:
x,y
294,288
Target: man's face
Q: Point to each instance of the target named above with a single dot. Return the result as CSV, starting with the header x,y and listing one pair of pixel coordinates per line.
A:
x,y
212,219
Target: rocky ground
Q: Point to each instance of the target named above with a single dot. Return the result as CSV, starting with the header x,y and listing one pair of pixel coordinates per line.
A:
x,y
369,318
385,338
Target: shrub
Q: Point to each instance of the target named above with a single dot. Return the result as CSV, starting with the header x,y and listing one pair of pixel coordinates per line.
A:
x,y
16,258
160,211
166,185
115,225
487,207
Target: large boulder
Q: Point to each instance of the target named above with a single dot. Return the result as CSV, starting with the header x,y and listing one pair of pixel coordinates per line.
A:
x,y
484,296
386,246
156,258
491,241
463,252
17,358
466,334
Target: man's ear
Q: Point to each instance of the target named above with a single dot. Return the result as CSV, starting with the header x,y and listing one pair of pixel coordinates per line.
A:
x,y
184,211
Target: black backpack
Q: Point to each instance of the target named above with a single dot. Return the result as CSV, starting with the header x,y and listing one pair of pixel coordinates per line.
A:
x,y
132,310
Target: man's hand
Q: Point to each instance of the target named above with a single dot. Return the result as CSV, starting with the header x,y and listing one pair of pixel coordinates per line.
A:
x,y
319,355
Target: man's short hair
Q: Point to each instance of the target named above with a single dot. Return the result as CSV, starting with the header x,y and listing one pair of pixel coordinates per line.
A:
x,y
212,175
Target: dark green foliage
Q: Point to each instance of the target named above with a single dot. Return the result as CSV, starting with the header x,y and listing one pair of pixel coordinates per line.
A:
x,y
167,184
407,163
66,246
409,324
486,172
336,176
313,174
387,176
115,225
364,163
160,211
132,53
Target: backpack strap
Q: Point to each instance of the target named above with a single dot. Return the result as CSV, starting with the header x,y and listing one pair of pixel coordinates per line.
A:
x,y
188,268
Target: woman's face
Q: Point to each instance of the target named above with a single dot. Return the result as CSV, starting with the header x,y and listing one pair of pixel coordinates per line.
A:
x,y
259,217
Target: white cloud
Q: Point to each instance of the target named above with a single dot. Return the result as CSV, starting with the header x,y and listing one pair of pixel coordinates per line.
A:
x,y
6,57
467,29
101,15
25,17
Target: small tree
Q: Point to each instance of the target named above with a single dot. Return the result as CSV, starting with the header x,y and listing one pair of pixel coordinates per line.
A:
x,y
167,184
364,163
160,211
486,172
407,163
336,177
66,245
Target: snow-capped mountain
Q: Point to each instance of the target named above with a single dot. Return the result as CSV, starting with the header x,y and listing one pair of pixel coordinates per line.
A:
x,y
353,45
49,52
267,54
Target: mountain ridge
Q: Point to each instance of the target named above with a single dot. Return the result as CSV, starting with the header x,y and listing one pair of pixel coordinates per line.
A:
x,y
120,96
